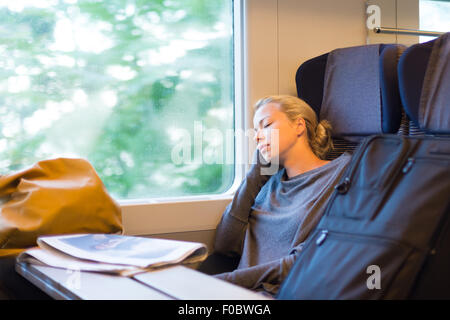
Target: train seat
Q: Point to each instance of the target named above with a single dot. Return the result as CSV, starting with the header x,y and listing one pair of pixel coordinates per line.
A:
x,y
424,83
356,90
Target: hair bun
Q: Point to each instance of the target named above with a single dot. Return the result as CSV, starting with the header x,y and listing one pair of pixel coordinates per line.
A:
x,y
322,142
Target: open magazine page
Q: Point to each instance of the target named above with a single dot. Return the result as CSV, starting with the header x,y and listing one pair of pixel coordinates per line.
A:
x,y
125,250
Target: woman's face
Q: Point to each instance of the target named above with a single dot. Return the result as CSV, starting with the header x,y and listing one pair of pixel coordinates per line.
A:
x,y
276,134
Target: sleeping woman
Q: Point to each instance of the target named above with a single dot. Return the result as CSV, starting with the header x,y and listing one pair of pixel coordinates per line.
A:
x,y
270,217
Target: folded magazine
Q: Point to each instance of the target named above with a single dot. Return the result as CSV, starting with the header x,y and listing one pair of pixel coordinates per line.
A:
x,y
110,253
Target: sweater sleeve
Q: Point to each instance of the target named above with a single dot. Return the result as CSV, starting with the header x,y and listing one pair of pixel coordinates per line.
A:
x,y
266,277
230,232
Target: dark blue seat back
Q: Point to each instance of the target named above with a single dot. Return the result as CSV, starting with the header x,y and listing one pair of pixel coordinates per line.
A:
x,y
310,81
412,70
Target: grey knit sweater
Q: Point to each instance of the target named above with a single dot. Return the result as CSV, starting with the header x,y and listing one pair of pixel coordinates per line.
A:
x,y
270,218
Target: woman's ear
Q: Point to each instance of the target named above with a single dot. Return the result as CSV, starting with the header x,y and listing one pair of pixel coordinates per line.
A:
x,y
300,126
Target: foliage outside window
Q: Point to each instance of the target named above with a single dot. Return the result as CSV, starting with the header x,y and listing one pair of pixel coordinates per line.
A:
x,y
121,83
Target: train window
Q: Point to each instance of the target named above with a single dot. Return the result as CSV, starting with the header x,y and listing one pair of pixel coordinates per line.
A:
x,y
434,16
142,89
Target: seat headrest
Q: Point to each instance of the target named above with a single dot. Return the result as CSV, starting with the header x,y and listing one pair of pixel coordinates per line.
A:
x,y
309,80
354,88
424,82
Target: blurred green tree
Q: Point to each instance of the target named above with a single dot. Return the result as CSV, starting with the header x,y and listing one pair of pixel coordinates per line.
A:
x,y
114,82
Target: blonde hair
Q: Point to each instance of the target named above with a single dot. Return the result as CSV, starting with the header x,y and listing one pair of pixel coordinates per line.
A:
x,y
318,133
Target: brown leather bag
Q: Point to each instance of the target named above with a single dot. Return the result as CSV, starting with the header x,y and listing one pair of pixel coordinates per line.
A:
x,y
56,196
